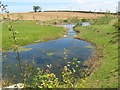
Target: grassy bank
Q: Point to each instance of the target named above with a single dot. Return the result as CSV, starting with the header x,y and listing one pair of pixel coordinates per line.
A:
x,y
29,32
105,37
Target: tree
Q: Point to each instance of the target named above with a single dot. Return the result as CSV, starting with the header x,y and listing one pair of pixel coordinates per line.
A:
x,y
35,8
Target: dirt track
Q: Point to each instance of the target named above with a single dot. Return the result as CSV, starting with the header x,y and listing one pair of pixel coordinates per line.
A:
x,y
44,16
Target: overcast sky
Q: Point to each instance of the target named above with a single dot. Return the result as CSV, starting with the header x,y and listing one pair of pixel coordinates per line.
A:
x,y
83,5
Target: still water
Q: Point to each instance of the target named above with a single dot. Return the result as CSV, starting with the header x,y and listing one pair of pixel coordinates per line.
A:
x,y
49,52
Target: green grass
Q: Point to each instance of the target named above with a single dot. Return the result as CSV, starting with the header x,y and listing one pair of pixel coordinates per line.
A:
x,y
28,32
61,21
106,76
117,24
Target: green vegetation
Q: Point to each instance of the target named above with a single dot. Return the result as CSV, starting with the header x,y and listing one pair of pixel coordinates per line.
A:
x,y
101,33
102,20
117,24
65,20
47,79
35,77
24,32
85,20
104,36
60,21
28,32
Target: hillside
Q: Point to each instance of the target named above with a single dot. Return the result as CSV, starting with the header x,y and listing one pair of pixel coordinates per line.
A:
x,y
44,16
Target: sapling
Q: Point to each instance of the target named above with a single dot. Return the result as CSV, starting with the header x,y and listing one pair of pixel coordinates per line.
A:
x,y
13,36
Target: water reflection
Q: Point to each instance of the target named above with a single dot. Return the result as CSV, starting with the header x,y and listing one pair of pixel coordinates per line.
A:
x,y
51,52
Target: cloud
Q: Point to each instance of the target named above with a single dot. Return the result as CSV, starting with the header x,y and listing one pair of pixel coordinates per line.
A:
x,y
109,2
63,4
81,1
78,1
38,0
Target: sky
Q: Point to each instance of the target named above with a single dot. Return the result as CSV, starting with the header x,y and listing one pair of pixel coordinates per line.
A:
x,y
82,5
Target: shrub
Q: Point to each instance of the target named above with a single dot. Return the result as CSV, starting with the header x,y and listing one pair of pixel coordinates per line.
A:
x,y
84,20
117,25
65,21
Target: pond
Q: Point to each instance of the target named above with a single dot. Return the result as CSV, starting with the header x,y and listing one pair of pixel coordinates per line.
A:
x,y
52,52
